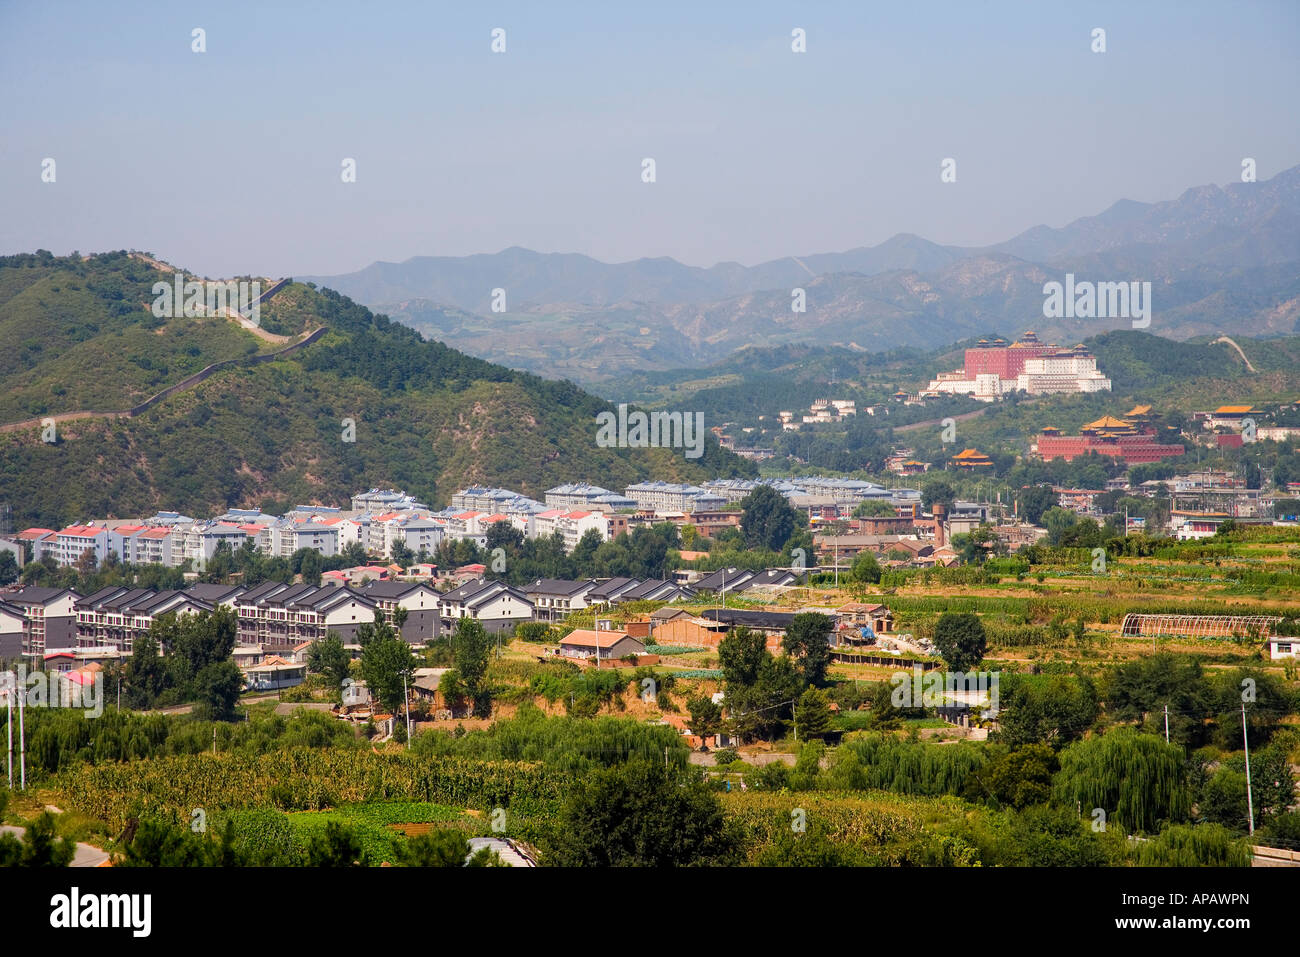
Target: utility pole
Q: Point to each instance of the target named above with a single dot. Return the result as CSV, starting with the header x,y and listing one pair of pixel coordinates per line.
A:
x,y
1250,804
22,741
9,711
1166,724
406,700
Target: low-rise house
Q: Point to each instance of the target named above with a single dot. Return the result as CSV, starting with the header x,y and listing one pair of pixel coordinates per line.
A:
x,y
772,624
13,622
50,615
496,605
656,589
216,595
274,673
878,618
117,616
772,578
724,579
279,616
661,615
600,644
608,591
554,599
689,632
421,603
1281,646
424,683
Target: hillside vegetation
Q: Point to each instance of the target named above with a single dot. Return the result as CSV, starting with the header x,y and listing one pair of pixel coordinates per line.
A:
x,y
78,334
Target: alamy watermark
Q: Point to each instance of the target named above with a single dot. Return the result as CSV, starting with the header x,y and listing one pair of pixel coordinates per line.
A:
x,y
945,689
196,298
1102,300
653,430
54,689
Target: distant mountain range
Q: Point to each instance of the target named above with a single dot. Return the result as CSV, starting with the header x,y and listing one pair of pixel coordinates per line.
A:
x,y
245,419
1220,259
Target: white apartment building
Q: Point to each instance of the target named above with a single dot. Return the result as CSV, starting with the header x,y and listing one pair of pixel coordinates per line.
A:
x,y
288,536
1072,371
673,497
385,500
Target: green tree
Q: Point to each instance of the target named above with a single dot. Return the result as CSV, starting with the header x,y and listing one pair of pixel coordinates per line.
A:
x,y
866,568
1058,521
1044,709
641,814
311,566
1272,783
441,848
1137,779
156,843
875,508
706,717
812,714
808,637
1200,845
1140,690
40,846
1043,836
216,690
767,519
386,659
8,568
1223,799
762,710
1034,501
472,646
740,656
960,639
330,658
338,846
145,675
938,492
1018,778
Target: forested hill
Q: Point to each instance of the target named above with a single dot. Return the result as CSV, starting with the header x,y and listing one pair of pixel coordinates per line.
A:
x,y
78,334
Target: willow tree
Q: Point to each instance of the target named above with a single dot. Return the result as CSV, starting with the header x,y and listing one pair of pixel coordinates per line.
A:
x,y
1137,780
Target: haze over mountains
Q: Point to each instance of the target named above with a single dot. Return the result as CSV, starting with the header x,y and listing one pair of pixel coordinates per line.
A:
x,y
1220,259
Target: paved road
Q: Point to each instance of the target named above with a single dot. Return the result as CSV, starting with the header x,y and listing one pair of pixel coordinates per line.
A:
x,y
87,854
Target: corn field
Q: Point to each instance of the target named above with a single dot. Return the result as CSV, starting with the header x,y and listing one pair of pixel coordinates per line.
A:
x,y
304,780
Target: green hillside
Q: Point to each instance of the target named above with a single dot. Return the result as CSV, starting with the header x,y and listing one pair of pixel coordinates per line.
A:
x,y
78,335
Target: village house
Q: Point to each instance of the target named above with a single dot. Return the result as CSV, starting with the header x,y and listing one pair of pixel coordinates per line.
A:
x,y
49,615
554,599
117,616
496,605
600,643
420,602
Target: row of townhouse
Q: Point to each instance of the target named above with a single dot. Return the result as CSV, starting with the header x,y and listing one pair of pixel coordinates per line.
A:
x,y
732,580
270,615
116,616
673,497
483,499
555,598
494,604
35,618
580,495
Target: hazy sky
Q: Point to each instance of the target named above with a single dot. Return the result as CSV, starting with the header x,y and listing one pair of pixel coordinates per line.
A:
x,y
229,161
